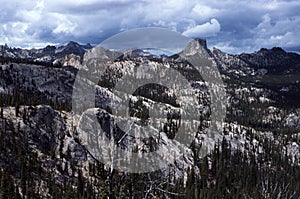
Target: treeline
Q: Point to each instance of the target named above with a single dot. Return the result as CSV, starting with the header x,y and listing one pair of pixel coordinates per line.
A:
x,y
9,60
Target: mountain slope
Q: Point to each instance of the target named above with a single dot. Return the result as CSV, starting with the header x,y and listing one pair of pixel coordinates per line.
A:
x,y
43,153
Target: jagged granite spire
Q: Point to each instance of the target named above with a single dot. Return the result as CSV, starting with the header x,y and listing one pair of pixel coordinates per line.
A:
x,y
194,46
202,42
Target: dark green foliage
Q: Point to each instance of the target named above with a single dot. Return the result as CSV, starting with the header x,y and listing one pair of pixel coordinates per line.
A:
x,y
6,60
156,93
236,175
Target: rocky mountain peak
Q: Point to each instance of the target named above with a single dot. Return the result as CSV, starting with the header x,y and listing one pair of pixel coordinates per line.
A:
x,y
197,43
195,46
273,50
202,42
99,52
72,43
88,45
72,47
217,51
49,49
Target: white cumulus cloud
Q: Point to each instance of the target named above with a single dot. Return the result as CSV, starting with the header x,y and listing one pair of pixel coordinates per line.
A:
x,y
204,30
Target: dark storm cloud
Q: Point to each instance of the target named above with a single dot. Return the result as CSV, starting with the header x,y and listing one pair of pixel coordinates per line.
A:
x,y
233,26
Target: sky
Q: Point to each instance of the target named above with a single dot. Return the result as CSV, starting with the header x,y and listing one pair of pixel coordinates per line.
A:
x,y
230,25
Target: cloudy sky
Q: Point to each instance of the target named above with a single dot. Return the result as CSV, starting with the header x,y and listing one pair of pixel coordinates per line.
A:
x,y
231,25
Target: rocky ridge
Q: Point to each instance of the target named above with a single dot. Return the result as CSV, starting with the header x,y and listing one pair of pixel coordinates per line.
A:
x,y
36,109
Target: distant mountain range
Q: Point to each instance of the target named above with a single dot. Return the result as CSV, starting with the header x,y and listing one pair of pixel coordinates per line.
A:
x,y
47,54
275,59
